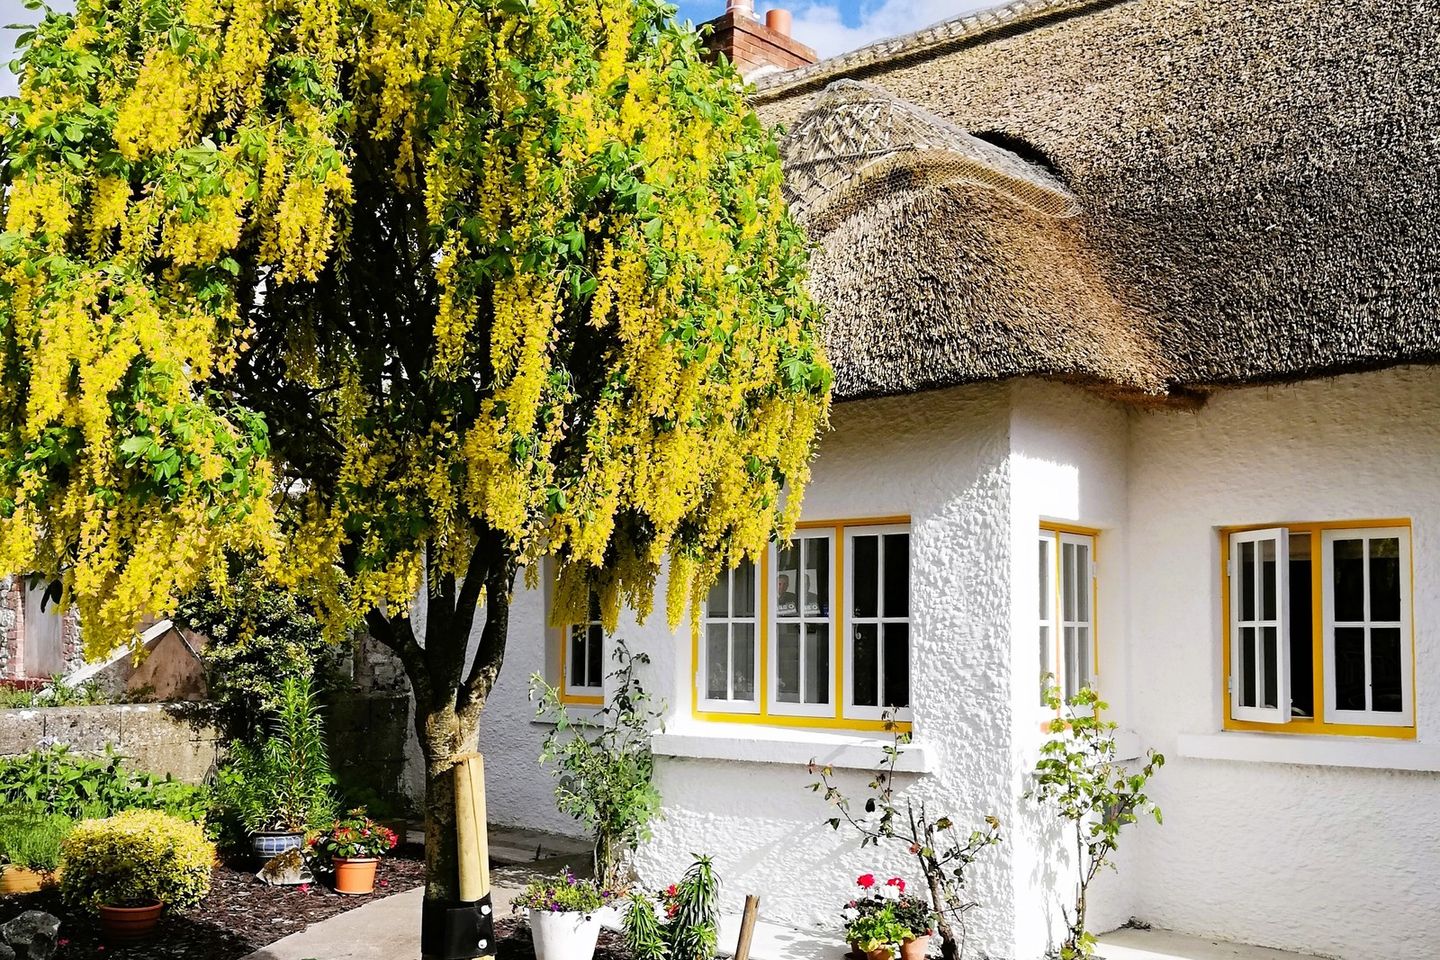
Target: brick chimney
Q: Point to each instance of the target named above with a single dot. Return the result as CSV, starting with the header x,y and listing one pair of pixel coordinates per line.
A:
x,y
757,48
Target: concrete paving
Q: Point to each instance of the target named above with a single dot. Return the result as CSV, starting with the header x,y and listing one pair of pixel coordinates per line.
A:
x,y
1131,944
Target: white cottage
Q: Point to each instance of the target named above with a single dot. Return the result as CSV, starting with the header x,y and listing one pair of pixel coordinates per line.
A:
x,y
1132,306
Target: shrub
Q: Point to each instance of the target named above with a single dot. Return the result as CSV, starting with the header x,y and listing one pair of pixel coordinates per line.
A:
x,y
605,767
885,916
260,635
57,692
562,894
285,783
134,858
59,781
691,924
31,838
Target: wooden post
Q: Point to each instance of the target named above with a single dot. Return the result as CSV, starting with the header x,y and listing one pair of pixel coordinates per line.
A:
x,y
474,845
747,926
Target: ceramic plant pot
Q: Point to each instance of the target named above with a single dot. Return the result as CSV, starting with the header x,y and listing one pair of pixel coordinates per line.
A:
x,y
268,844
879,953
20,880
355,877
129,923
564,936
915,949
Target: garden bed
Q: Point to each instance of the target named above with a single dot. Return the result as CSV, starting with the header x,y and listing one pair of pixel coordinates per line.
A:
x,y
239,916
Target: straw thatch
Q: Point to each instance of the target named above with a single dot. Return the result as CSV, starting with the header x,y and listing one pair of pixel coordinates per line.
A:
x,y
1195,193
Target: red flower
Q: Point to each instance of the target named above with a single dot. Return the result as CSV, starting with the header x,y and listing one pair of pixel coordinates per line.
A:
x,y
896,882
865,881
671,890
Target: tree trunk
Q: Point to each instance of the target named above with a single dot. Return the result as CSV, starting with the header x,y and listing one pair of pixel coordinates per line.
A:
x,y
443,735
949,944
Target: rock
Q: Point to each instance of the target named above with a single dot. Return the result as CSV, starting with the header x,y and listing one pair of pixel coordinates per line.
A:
x,y
6,953
31,936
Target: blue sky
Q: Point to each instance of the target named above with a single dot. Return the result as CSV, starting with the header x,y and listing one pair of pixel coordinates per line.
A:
x,y
835,26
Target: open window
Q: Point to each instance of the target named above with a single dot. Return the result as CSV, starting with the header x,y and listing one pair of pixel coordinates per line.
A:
x,y
1260,625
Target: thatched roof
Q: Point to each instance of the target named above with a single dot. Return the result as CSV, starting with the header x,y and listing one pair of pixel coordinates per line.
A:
x,y
1153,195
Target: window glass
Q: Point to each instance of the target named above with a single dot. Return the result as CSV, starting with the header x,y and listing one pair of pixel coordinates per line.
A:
x,y
729,647
897,575
865,592
866,674
897,665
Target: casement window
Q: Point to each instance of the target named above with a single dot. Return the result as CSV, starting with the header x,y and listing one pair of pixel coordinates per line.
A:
x,y
582,660
817,634
1318,628
730,642
1067,595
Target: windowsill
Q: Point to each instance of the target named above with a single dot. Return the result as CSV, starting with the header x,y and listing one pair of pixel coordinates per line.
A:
x,y
748,743
1363,752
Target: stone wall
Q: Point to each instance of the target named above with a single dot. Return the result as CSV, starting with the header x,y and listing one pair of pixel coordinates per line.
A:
x,y
10,623
367,744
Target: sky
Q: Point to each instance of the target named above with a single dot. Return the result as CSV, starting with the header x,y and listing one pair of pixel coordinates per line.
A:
x,y
830,26
835,26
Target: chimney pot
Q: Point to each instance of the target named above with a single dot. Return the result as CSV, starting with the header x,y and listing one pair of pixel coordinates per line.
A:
x,y
779,20
745,8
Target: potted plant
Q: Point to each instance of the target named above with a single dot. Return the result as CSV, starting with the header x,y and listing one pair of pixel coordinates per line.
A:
x,y
563,921
30,848
129,867
278,790
353,847
884,922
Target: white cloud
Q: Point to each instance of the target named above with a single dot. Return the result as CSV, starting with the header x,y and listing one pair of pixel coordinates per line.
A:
x,y
821,26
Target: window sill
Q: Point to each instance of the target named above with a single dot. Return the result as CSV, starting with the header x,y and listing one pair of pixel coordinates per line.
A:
x,y
758,744
1361,752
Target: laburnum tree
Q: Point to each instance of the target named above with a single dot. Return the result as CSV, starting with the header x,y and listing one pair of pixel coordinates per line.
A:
x,y
402,298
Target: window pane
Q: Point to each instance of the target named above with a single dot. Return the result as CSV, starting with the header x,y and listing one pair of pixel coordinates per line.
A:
x,y
1350,581
718,603
1385,580
817,663
1082,581
1302,650
743,596
1385,692
787,577
742,661
817,577
596,674
787,652
897,575
1247,666
1071,686
865,687
1247,580
1350,668
1047,665
1082,657
1267,580
897,664
1271,662
1046,590
865,557
577,656
717,661
1067,580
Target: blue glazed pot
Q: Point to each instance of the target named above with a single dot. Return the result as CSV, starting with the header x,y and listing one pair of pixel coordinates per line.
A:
x,y
267,845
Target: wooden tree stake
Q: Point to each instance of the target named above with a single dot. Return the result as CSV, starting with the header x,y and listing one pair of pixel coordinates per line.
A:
x,y
474,852
747,926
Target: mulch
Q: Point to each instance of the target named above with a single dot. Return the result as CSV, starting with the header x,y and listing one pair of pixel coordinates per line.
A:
x,y
240,915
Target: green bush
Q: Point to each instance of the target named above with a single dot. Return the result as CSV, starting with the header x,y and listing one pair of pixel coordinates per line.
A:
x,y
59,781
57,693
691,924
31,838
260,635
135,858
564,893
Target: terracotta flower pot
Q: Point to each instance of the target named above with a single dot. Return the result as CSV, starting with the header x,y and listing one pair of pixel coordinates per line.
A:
x,y
879,953
915,949
20,880
129,923
355,877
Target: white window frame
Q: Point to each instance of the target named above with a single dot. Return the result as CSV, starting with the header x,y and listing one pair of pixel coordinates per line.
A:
x,y
778,707
853,711
1369,718
702,673
1048,618
585,693
1087,583
1280,713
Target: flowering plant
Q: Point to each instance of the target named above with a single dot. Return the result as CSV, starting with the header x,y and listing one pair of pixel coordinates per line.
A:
x,y
884,916
353,837
564,893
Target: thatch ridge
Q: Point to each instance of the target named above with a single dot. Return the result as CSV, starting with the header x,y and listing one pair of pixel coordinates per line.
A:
x,y
1255,182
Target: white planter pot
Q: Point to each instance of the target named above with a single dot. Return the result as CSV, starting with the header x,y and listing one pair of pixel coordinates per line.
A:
x,y
564,936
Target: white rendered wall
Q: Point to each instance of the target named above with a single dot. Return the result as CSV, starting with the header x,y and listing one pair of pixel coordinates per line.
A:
x,y
1068,456
1332,860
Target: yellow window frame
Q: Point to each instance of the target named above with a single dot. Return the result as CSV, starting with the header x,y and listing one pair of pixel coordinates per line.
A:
x,y
837,721
1316,724
563,686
